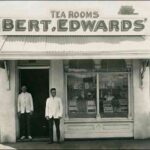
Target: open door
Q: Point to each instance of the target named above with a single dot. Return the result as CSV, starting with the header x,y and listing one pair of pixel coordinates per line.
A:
x,y
37,82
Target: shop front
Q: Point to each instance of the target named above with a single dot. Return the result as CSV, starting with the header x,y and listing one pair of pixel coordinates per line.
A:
x,y
99,99
102,77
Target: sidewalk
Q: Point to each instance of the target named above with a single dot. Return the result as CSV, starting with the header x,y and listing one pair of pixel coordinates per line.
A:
x,y
86,144
3,147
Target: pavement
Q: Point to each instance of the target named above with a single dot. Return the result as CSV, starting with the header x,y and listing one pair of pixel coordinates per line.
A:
x,y
6,147
104,144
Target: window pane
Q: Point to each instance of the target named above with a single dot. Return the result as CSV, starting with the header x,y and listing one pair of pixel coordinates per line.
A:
x,y
81,64
113,65
81,89
113,90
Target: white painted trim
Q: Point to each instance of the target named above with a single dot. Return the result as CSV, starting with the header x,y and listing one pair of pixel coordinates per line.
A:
x,y
132,93
129,96
17,92
98,129
90,120
66,96
49,73
97,97
81,55
33,67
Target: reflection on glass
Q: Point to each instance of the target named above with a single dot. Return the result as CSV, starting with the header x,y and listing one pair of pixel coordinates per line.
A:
x,y
81,92
113,93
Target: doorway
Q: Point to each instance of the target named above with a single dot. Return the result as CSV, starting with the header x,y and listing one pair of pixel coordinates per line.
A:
x,y
37,82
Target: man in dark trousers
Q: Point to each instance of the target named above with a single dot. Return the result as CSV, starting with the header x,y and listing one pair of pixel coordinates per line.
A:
x,y
53,113
25,110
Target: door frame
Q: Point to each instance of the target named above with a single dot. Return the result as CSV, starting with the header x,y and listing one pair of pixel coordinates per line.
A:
x,y
17,88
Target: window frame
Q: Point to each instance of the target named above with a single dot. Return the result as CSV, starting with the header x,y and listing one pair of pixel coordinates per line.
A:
x,y
129,94
66,96
98,117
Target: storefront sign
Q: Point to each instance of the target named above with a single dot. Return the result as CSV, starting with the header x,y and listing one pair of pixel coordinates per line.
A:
x,y
74,23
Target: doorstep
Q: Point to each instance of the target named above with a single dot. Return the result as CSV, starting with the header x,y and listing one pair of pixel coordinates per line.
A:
x,y
34,140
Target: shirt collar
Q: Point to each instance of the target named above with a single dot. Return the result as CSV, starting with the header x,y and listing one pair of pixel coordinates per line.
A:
x,y
24,93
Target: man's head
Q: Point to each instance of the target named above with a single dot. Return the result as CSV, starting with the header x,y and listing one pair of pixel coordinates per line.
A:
x,y
53,92
23,88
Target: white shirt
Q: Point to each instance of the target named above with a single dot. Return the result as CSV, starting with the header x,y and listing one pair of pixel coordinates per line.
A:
x,y
25,103
54,107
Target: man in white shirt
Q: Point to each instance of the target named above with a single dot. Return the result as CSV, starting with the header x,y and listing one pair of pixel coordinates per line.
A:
x,y
53,113
25,110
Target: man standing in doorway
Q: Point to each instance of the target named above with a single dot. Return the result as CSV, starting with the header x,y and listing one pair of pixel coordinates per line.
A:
x,y
53,113
25,110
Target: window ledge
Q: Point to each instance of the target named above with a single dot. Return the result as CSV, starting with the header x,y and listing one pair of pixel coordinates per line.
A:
x,y
95,120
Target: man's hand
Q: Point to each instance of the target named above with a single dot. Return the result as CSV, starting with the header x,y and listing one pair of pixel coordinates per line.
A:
x,y
31,112
19,113
47,118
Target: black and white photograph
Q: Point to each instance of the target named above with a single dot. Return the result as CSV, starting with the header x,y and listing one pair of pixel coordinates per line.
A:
x,y
74,75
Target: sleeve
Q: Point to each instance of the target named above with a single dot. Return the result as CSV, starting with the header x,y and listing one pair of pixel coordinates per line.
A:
x,y
19,105
47,108
31,102
60,108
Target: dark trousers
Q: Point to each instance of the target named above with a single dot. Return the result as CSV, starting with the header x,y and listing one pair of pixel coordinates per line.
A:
x,y
25,124
57,122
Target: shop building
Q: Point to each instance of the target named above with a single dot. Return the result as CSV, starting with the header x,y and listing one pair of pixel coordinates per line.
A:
x,y
103,80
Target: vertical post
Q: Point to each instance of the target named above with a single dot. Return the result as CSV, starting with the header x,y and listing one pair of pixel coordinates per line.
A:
x,y
66,104
8,105
97,96
66,67
129,96
141,102
16,95
130,105
97,63
57,81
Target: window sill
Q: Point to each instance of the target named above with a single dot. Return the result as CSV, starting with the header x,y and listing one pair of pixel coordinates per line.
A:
x,y
96,120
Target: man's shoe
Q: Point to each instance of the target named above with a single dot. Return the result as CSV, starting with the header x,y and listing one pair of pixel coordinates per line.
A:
x,y
22,138
30,137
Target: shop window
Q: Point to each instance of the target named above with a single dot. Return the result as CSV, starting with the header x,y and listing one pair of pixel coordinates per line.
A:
x,y
113,93
81,95
82,79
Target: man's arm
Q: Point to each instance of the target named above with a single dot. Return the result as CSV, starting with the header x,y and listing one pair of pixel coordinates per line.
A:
x,y
47,109
18,105
31,103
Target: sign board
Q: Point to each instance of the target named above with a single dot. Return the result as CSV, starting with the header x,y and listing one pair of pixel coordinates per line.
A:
x,y
75,23
107,107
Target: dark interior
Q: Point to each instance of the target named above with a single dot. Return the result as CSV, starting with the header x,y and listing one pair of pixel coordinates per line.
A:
x,y
37,82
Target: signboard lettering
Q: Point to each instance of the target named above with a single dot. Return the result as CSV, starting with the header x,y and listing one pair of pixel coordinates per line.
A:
x,y
74,23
